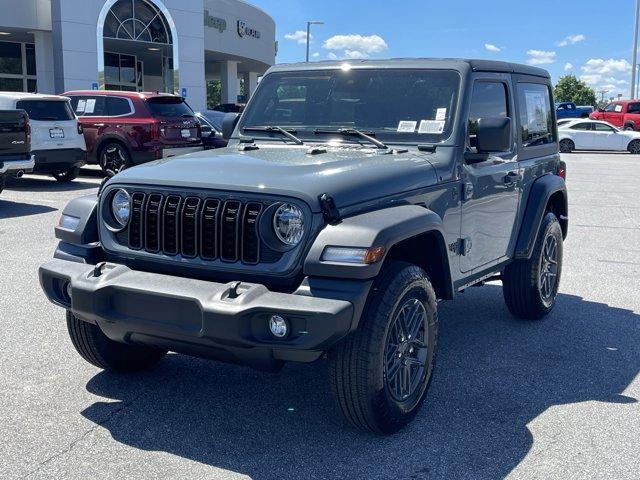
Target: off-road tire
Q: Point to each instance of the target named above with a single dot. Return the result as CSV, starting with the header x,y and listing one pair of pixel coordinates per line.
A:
x,y
68,175
521,281
358,365
567,146
114,158
634,147
96,348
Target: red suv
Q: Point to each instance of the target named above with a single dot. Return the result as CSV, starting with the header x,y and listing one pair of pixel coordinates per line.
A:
x,y
123,129
623,114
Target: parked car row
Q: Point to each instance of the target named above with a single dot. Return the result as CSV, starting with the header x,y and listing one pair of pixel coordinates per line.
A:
x,y
584,134
114,130
571,110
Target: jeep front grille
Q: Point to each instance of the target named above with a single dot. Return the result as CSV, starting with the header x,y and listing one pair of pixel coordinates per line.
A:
x,y
210,228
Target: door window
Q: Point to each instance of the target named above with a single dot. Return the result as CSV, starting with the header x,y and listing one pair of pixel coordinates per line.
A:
x,y
601,127
582,126
536,117
89,106
118,107
489,99
633,108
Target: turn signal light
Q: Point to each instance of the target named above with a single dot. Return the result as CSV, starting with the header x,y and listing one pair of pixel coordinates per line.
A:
x,y
562,170
362,256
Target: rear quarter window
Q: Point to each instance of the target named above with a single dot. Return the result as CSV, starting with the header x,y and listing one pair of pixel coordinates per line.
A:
x,y
169,107
43,110
536,116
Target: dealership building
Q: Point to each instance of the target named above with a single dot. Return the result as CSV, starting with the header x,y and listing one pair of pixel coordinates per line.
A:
x,y
176,46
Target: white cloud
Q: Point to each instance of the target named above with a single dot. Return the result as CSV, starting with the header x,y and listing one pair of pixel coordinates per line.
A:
x,y
571,40
541,57
568,67
315,54
356,43
299,36
492,48
332,56
606,74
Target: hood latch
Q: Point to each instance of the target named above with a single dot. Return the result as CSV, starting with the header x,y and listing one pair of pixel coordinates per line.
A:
x,y
330,212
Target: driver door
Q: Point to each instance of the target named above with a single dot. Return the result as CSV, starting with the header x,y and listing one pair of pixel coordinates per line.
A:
x,y
490,187
606,138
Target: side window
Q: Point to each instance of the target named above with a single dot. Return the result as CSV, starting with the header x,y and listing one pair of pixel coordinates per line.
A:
x,y
117,106
89,106
601,127
489,99
633,108
536,116
582,126
611,107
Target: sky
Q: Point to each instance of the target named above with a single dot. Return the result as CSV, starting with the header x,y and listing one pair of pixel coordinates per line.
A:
x,y
580,37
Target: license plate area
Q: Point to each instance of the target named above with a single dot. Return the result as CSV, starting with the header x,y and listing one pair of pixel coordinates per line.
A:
x,y
185,132
56,133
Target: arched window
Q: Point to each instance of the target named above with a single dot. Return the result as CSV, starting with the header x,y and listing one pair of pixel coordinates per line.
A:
x,y
137,20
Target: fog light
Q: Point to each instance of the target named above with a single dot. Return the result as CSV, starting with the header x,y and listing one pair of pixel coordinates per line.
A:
x,y
278,326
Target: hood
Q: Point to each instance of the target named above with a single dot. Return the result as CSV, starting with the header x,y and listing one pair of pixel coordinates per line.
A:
x,y
349,175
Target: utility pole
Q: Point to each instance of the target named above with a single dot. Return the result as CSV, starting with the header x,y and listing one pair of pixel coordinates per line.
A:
x,y
635,50
309,33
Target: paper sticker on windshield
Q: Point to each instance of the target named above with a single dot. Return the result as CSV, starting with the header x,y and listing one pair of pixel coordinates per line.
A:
x,y
82,104
91,105
441,114
407,126
431,126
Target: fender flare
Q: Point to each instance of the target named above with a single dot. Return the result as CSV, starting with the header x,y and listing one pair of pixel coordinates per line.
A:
x,y
541,192
85,209
381,228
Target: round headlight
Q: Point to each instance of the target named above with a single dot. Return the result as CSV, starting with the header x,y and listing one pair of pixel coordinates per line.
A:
x,y
288,223
121,207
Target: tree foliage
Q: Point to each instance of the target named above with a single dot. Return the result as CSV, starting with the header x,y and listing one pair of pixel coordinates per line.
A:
x,y
571,89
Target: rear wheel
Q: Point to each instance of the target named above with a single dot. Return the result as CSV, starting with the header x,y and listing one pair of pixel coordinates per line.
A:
x,y
114,158
96,348
381,372
567,146
629,128
67,175
634,147
530,287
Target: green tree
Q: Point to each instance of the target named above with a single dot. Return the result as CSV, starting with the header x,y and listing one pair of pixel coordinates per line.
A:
x,y
214,89
571,89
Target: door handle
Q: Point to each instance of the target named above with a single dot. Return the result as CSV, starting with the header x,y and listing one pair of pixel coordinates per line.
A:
x,y
511,178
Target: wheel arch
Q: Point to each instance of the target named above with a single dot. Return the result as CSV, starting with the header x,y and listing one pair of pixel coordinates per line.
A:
x,y
408,233
111,138
548,194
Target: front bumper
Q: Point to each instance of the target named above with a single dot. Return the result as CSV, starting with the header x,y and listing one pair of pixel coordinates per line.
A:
x,y
197,317
58,160
15,166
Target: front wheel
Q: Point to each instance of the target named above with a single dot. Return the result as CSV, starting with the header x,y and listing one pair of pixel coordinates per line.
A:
x,y
67,175
530,287
114,158
634,147
381,372
96,348
567,146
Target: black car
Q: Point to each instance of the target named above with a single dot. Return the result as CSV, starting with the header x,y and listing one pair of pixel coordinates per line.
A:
x,y
211,129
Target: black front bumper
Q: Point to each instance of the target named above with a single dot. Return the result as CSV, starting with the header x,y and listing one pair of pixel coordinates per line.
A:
x,y
198,317
53,161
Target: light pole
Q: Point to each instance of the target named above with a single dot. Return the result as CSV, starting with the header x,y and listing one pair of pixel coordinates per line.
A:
x,y
314,22
635,50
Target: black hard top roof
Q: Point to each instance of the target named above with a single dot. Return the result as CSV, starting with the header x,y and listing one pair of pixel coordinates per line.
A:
x,y
435,63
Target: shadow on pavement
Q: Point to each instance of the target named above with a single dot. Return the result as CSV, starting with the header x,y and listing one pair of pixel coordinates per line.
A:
x,y
495,374
36,183
10,209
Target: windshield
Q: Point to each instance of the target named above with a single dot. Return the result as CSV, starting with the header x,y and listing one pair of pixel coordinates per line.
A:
x,y
169,107
54,110
394,105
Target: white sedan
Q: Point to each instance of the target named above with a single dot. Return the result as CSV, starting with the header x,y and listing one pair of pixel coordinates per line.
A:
x,y
581,134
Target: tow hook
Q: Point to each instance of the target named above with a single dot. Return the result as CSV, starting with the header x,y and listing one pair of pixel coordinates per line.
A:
x,y
97,271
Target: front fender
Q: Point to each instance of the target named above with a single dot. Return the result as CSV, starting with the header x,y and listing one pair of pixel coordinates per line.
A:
x,y
381,228
80,243
541,192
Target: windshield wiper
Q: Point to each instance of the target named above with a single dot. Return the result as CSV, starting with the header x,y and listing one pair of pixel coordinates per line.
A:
x,y
351,132
275,128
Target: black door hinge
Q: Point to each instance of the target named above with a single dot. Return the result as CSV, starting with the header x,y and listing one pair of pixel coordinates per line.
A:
x,y
330,212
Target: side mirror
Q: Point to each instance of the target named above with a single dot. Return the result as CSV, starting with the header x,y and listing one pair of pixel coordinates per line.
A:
x,y
600,110
206,130
229,123
494,134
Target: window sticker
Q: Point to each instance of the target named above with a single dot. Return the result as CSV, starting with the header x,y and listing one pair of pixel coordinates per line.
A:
x,y
431,126
91,105
536,112
407,126
82,104
441,114
618,108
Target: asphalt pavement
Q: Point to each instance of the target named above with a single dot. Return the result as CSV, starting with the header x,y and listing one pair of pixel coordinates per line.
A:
x,y
551,399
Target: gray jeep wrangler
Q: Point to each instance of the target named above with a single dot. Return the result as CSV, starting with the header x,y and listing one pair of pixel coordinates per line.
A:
x,y
351,199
